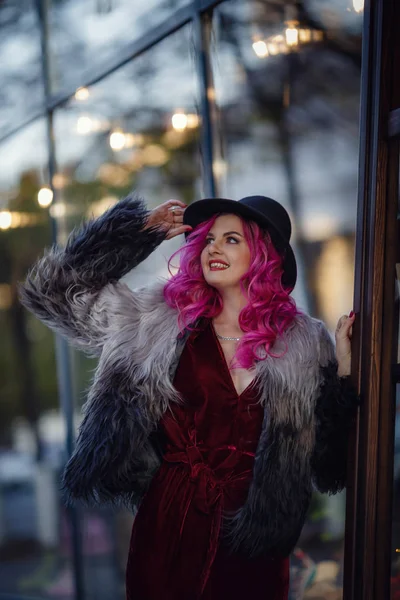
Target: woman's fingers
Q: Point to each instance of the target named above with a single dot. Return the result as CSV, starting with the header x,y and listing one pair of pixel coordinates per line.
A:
x,y
345,324
176,203
178,230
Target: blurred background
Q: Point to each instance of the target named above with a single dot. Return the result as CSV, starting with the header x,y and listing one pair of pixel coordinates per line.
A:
x,y
175,99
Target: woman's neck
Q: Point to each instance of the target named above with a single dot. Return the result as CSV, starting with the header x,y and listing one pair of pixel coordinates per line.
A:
x,y
227,322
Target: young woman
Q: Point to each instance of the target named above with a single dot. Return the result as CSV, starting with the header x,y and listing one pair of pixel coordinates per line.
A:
x,y
216,404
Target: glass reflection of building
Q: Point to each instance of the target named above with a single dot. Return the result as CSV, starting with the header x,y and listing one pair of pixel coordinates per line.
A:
x,y
175,99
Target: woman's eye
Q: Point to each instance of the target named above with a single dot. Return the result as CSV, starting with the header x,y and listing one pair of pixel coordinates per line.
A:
x,y
229,239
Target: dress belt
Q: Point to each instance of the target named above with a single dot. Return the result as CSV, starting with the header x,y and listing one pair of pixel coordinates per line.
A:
x,y
207,494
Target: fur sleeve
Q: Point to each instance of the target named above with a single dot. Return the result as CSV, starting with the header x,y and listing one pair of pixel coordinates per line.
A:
x,y
70,290
335,413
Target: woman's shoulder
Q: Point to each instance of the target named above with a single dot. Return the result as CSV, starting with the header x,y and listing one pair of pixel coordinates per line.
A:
x,y
303,322
314,334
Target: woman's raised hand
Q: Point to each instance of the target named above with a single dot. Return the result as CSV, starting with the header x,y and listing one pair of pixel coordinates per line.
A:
x,y
169,216
343,335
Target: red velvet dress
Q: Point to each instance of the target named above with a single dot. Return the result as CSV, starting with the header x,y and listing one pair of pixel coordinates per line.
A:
x,y
176,552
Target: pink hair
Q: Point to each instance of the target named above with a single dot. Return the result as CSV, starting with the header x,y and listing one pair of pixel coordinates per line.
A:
x,y
270,309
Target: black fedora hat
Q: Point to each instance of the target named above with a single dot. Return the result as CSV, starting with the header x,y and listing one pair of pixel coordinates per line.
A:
x,y
266,212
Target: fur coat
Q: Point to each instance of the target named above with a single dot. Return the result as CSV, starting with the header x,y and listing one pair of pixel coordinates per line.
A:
x,y
308,410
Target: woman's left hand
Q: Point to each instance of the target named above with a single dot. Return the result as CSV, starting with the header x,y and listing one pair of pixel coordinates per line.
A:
x,y
343,335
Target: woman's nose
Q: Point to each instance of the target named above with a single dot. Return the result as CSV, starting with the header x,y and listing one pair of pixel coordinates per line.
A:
x,y
214,248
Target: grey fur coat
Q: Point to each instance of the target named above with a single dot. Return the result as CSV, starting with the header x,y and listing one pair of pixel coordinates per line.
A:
x,y
308,409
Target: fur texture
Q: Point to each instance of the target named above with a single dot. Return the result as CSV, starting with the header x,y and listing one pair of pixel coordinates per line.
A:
x,y
138,337
76,291
335,415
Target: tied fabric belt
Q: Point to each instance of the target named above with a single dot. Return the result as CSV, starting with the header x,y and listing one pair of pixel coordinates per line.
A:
x,y
207,491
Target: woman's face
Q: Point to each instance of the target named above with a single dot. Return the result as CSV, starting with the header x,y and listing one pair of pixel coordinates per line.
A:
x,y
226,255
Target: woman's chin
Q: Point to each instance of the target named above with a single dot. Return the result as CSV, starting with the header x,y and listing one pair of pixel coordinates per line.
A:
x,y
218,281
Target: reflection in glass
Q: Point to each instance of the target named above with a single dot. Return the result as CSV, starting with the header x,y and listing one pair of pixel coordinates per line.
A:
x,y
84,34
34,552
287,87
138,129
21,86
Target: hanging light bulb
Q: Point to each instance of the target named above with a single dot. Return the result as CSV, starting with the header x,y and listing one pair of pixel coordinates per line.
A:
x,y
260,48
292,34
82,94
193,121
5,219
45,197
117,140
358,5
84,125
179,121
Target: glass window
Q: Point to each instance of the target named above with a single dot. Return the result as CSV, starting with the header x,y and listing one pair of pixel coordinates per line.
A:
x,y
288,89
86,33
34,551
137,129
21,85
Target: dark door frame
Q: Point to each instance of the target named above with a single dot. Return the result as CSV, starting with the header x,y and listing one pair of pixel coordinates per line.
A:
x,y
369,496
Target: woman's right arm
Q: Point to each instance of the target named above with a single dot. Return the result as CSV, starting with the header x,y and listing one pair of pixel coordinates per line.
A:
x,y
75,290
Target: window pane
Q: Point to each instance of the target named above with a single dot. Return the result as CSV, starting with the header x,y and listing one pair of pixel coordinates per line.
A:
x,y
21,86
138,129
35,558
288,91
86,33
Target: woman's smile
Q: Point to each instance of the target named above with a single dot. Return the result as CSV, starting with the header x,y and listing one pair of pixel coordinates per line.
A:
x,y
218,265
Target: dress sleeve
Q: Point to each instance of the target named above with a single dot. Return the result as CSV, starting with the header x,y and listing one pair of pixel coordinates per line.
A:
x,y
75,291
335,413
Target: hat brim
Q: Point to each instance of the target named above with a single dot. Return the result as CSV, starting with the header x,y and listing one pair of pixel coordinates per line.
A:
x,y
202,210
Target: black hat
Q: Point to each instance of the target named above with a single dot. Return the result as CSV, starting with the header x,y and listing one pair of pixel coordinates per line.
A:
x,y
266,212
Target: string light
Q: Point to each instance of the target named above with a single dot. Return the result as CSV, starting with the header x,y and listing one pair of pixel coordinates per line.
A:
x,y
358,5
179,121
58,210
82,94
45,197
305,36
84,125
5,219
260,48
13,220
193,121
59,181
117,140
289,42
292,34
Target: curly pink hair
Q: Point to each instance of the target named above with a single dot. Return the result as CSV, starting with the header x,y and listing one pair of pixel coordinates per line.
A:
x,y
270,309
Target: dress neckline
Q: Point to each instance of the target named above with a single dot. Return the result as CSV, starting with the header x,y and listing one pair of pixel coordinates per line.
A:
x,y
226,366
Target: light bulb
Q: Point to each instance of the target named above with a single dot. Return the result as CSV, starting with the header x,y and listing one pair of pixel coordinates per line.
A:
x,y
5,219
117,140
84,125
260,48
358,5
292,36
82,94
179,121
45,197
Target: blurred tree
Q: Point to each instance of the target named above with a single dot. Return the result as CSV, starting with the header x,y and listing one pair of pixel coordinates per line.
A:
x,y
26,362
